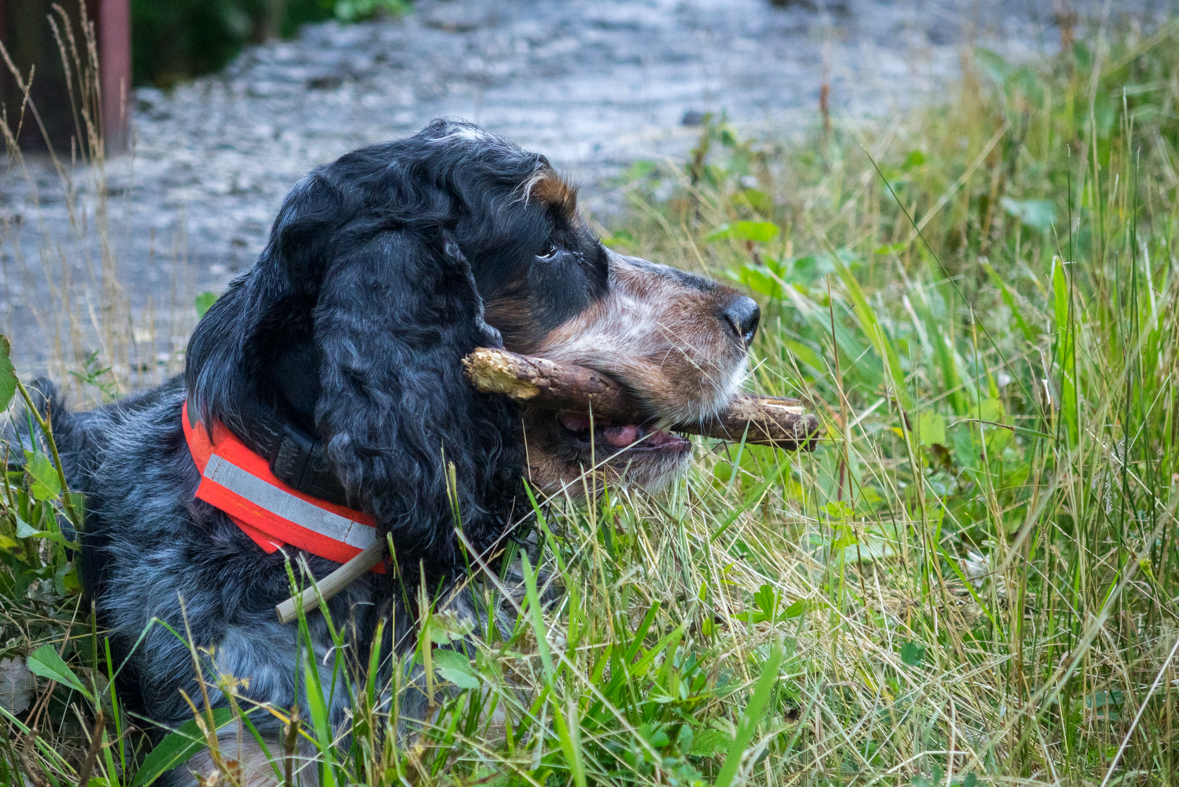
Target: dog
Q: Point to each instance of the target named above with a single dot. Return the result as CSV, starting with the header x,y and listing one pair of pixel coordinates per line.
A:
x,y
335,362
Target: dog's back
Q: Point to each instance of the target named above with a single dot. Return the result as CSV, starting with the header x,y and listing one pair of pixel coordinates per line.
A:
x,y
84,440
81,437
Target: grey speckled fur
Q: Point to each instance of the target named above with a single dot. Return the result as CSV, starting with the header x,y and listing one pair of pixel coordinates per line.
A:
x,y
154,559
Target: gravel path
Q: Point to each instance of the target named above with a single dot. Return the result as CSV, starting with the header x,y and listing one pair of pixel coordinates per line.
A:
x,y
594,84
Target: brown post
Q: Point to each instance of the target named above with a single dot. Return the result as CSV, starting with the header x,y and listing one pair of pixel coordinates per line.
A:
x,y
114,54
26,34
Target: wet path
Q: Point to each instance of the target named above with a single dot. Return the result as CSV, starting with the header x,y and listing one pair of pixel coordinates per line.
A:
x,y
594,84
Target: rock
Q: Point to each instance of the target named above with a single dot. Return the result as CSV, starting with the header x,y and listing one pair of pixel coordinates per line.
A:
x,y
16,686
841,7
456,17
148,98
325,82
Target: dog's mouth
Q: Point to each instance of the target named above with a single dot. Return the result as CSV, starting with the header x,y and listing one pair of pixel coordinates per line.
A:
x,y
604,437
640,450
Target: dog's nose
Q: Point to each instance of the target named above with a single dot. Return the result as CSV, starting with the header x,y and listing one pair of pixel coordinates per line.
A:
x,y
742,315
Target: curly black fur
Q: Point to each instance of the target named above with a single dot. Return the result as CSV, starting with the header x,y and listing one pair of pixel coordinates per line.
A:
x,y
367,280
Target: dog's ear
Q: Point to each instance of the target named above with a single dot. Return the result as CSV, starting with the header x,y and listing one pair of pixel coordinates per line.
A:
x,y
396,313
233,344
390,306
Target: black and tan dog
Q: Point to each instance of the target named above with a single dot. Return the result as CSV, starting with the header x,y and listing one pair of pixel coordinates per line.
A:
x,y
324,391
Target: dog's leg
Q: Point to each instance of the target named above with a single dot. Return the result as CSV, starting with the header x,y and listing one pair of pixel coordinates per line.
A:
x,y
251,764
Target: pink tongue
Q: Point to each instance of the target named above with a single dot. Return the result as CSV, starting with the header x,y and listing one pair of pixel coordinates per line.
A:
x,y
621,436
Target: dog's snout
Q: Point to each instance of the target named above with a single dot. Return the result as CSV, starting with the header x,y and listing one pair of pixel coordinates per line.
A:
x,y
743,315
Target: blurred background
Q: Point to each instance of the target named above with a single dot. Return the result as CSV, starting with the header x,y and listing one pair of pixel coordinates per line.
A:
x,y
167,169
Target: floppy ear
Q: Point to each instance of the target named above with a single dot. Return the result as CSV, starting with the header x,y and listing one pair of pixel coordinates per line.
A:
x,y
233,344
395,316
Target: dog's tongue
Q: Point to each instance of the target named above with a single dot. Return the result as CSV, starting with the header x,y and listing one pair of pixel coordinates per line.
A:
x,y
618,435
621,436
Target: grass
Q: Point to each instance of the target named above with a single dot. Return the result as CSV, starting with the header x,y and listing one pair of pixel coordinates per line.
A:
x,y
973,580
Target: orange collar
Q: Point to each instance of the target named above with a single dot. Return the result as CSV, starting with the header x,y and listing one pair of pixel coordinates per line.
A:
x,y
238,481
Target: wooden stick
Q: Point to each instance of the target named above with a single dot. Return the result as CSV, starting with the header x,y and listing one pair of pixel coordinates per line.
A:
x,y
333,583
762,420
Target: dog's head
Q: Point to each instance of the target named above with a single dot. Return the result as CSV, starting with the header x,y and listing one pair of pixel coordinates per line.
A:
x,y
389,265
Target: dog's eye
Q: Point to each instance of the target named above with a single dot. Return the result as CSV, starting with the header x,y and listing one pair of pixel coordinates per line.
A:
x,y
549,253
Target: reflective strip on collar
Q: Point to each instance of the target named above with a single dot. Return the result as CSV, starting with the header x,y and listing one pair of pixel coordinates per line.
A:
x,y
283,504
239,482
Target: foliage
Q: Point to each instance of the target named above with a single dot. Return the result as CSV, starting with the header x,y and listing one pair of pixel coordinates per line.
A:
x,y
982,300
972,581
355,10
174,40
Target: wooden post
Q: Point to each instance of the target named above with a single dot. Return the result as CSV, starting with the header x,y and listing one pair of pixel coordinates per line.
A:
x,y
114,54
28,37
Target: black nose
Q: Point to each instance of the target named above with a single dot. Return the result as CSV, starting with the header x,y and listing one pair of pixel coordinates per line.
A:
x,y
742,315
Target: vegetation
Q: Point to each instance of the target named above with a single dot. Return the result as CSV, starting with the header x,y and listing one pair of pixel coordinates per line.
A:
x,y
179,39
974,579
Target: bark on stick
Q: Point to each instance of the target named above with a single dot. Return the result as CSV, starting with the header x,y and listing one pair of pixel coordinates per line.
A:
x,y
761,420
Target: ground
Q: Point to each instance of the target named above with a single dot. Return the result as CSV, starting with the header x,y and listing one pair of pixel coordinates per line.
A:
x,y
594,84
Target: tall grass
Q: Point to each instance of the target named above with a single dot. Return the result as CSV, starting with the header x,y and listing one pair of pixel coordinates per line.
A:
x,y
973,580
73,303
